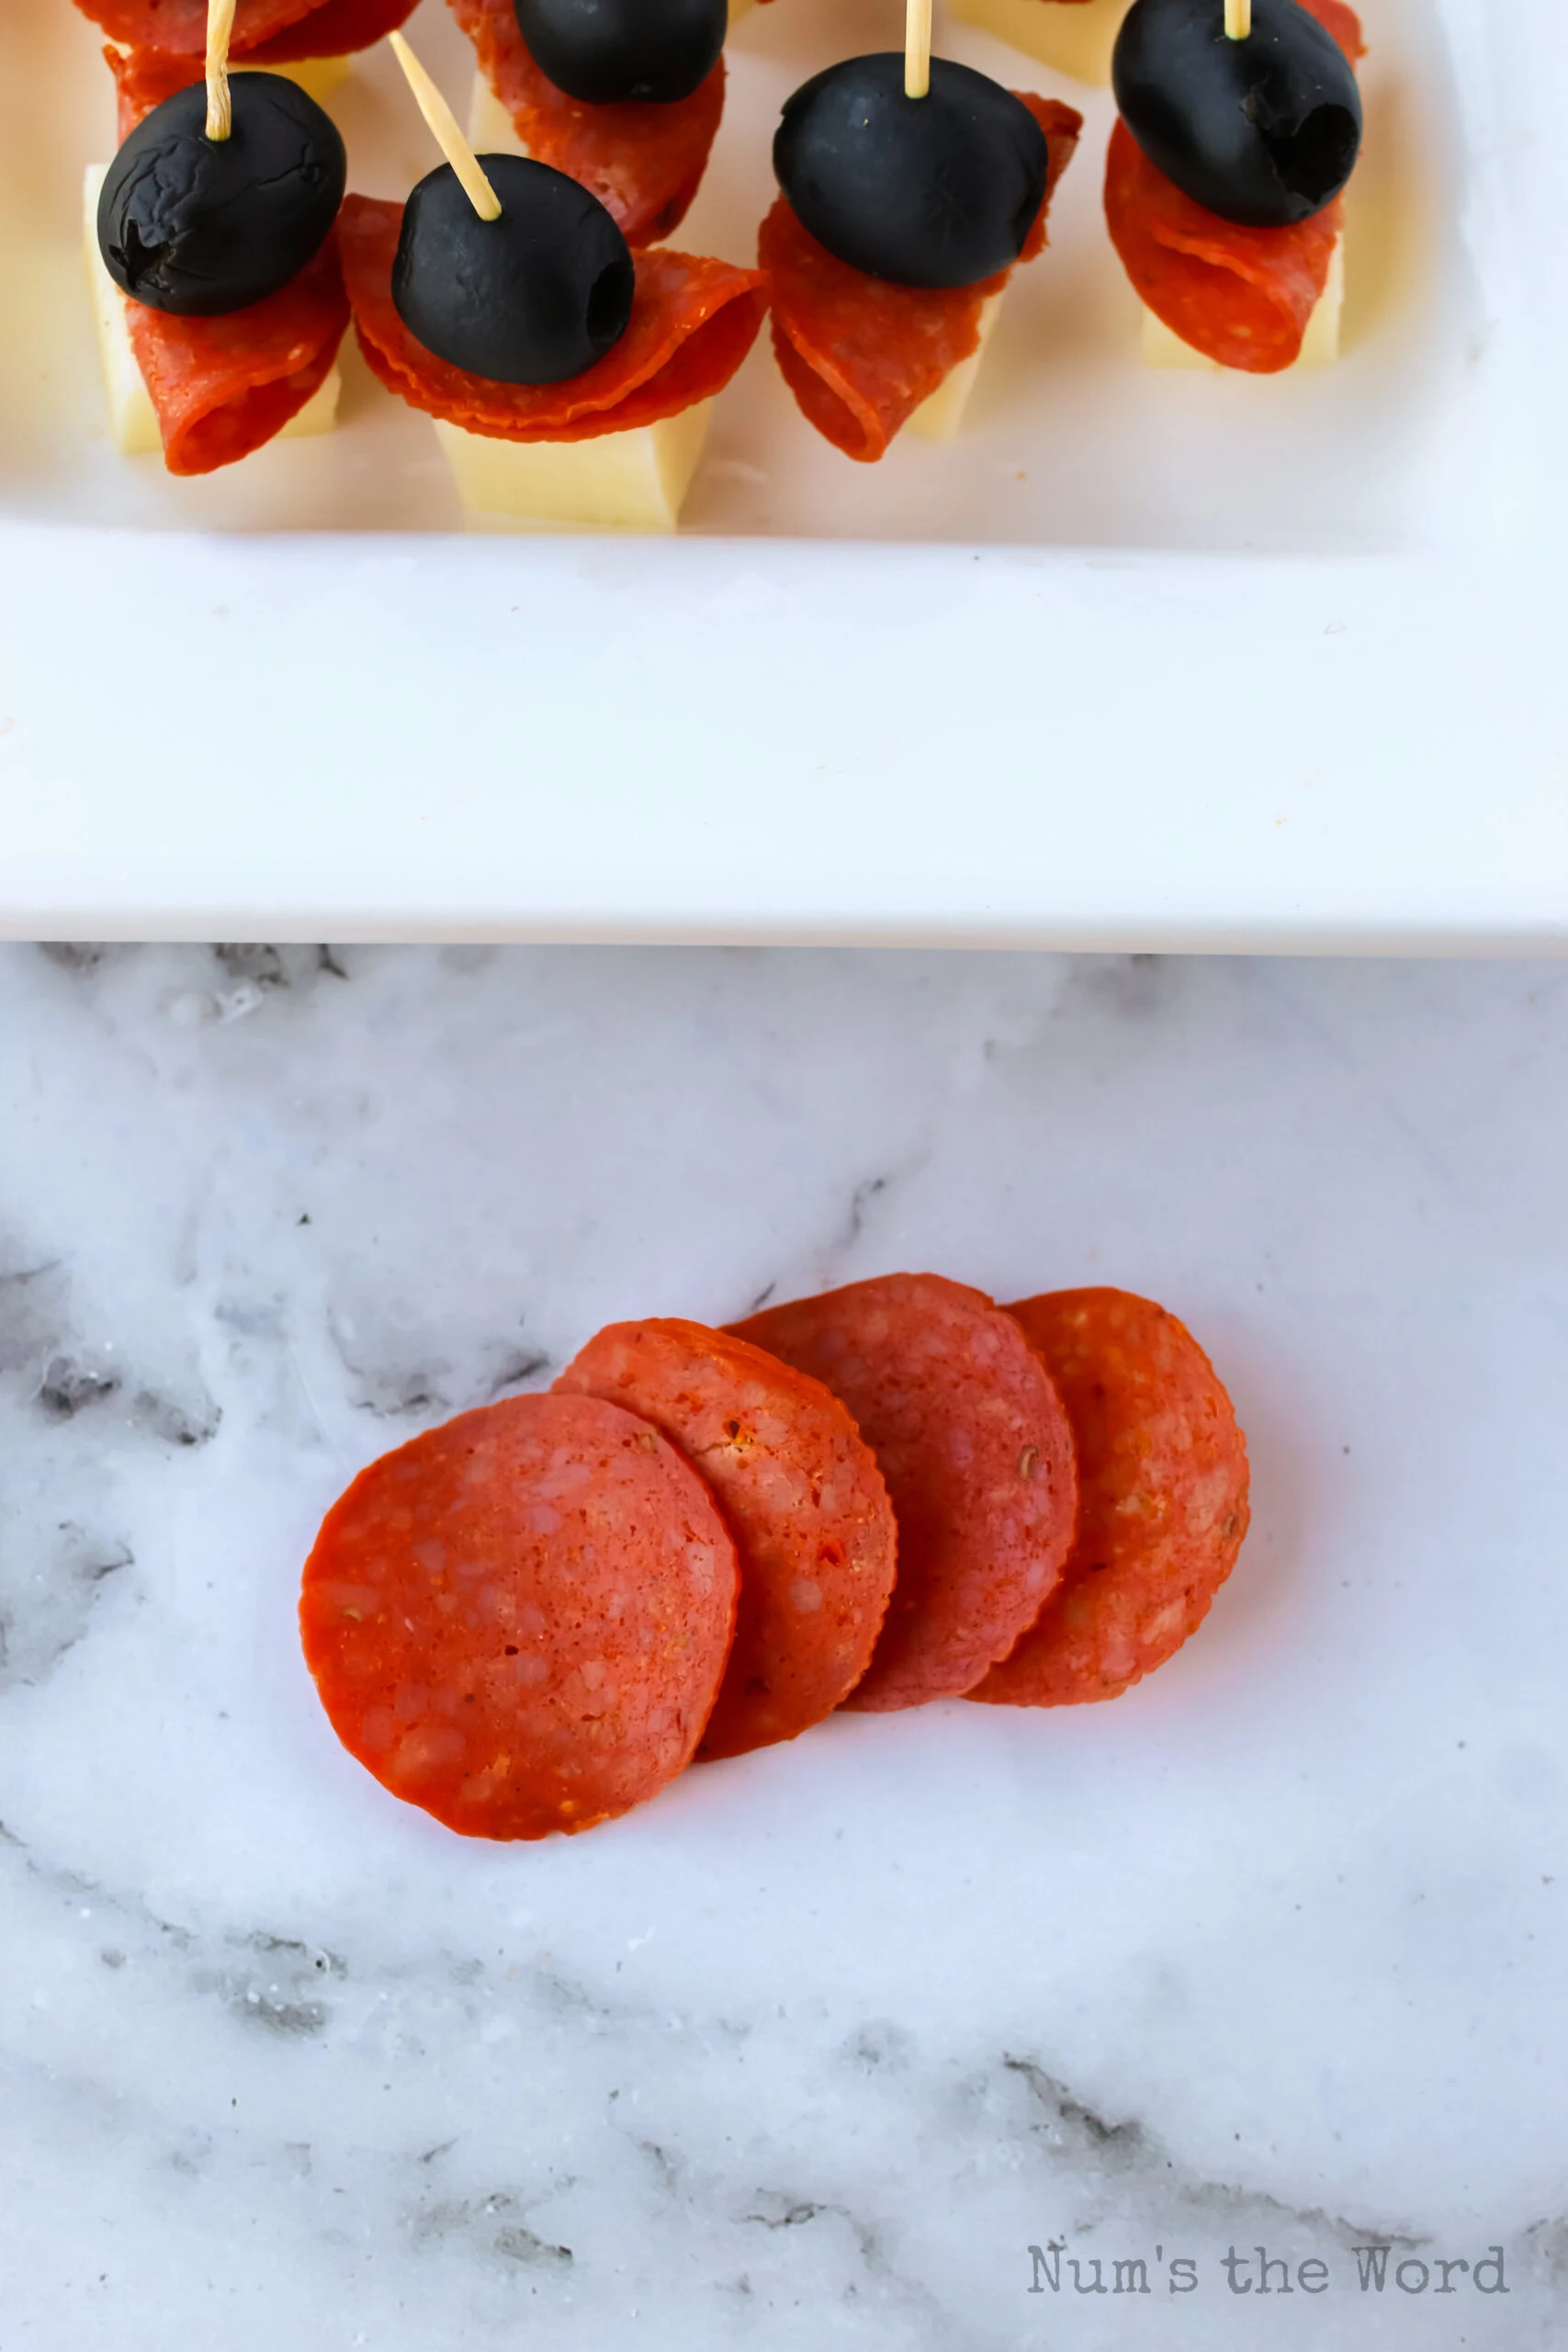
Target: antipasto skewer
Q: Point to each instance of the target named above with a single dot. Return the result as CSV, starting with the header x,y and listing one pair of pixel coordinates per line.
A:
x,y
910,186
570,379
1225,175
214,267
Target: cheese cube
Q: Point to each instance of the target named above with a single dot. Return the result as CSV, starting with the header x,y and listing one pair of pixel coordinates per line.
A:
x,y
318,77
1320,344
1073,37
133,421
940,417
617,482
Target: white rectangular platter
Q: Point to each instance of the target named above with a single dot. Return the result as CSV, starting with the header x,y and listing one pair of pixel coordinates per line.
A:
x,y
1144,659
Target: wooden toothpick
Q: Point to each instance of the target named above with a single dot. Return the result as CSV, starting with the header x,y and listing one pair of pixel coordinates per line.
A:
x,y
220,30
917,48
444,127
1238,20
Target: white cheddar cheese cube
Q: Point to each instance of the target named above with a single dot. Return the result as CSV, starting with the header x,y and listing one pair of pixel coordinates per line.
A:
x,y
1073,37
940,417
489,125
133,421
1320,344
318,77
617,482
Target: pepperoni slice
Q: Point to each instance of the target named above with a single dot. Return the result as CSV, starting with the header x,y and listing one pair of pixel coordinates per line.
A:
x,y
860,354
973,1441
1162,1498
803,1498
693,323
1240,296
337,28
519,1621
223,387
644,163
182,24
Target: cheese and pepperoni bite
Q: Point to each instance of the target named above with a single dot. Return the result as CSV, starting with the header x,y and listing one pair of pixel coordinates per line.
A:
x,y
1162,1498
519,1621
865,354
971,1438
803,1498
1224,179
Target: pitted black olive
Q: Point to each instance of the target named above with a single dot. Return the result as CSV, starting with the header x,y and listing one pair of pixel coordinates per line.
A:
x,y
604,50
530,299
1264,131
200,226
935,191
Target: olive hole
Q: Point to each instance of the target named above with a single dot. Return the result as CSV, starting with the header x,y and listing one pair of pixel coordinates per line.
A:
x,y
607,306
134,258
1314,161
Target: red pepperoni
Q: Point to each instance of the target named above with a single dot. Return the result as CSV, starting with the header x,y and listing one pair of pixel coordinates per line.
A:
x,y
1162,1498
693,323
337,28
803,1501
644,163
182,24
860,355
223,387
1240,296
973,1441
519,1621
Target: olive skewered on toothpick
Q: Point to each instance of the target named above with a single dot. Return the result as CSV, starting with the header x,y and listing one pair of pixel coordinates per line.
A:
x,y
223,193
1261,126
504,267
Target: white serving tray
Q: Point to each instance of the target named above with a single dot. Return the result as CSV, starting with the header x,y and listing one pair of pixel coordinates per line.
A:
x,y
1144,659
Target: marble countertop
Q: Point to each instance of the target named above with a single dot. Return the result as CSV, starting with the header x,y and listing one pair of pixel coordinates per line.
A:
x,y
812,2052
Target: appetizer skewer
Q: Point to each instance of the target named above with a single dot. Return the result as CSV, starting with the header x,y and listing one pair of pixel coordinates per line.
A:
x,y
910,188
1225,173
642,156
216,282
570,379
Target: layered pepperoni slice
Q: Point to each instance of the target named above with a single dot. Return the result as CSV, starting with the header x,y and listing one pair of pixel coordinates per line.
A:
x,y
1242,296
223,387
643,162
860,354
971,1438
802,1496
1162,1498
519,1621
693,323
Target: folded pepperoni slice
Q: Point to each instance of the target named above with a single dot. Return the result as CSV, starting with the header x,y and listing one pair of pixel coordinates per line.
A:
x,y
1240,296
693,323
223,387
1162,1498
860,354
803,1498
644,163
519,1621
972,1443
338,29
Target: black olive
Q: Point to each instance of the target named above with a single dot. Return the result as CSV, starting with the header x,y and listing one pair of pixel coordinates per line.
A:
x,y
200,226
1264,131
530,299
935,191
604,50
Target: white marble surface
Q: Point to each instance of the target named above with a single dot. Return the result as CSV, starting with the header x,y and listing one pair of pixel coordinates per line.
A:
x,y
811,2051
